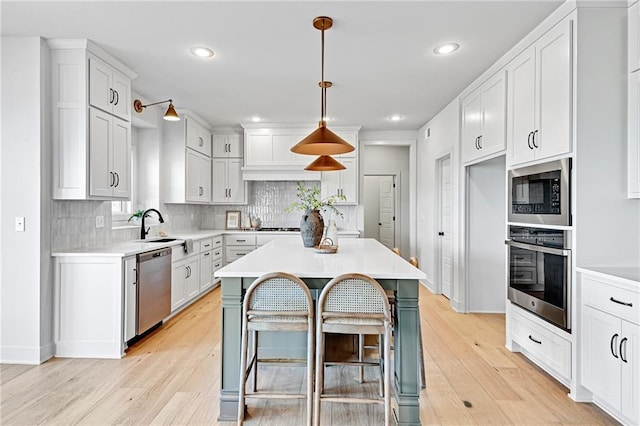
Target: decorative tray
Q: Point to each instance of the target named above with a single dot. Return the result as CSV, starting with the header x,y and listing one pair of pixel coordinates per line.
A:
x,y
325,249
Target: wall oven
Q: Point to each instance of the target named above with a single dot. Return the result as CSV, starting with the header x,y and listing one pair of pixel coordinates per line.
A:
x,y
540,194
540,272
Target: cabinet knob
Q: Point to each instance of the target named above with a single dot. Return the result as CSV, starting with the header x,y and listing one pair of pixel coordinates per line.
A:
x,y
441,234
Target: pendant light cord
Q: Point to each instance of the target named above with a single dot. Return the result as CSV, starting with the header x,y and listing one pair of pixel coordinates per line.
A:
x,y
323,91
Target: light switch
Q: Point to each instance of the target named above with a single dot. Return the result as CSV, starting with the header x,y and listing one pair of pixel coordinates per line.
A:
x,y
20,224
99,221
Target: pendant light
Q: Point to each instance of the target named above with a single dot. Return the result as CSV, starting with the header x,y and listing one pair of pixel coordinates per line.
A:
x,y
322,141
170,115
325,163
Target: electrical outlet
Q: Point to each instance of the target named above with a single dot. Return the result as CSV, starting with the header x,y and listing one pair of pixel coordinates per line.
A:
x,y
99,221
20,224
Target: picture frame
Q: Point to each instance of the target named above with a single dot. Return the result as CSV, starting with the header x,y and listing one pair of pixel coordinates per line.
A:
x,y
233,219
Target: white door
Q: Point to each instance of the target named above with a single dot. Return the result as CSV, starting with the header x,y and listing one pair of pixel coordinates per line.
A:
x,y
101,178
121,158
387,211
234,180
521,98
193,176
446,246
219,188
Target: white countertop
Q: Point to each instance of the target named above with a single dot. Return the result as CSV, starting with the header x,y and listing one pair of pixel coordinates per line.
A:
x,y
130,248
628,274
363,255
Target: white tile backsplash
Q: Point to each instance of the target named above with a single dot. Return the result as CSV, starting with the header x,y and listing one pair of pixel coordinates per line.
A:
x,y
74,222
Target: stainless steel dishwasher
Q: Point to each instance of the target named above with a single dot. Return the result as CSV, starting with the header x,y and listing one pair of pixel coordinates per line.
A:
x,y
154,288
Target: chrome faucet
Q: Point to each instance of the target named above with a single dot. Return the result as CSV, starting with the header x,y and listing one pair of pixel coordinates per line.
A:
x,y
143,231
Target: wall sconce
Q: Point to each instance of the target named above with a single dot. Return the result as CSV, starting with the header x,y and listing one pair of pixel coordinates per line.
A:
x,y
170,115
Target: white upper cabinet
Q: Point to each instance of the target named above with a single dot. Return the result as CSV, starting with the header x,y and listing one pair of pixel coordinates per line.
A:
x,y
228,186
539,97
109,155
484,120
634,37
187,176
91,137
109,89
197,136
227,146
272,148
343,182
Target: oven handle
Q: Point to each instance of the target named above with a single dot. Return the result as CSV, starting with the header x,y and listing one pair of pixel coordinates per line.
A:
x,y
542,249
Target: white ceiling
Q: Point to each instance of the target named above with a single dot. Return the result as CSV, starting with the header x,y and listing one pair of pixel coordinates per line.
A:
x,y
379,54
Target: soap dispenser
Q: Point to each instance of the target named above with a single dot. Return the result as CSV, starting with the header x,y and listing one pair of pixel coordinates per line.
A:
x,y
332,232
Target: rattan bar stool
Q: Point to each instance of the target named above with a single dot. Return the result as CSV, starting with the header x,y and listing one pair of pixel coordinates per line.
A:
x,y
275,302
353,304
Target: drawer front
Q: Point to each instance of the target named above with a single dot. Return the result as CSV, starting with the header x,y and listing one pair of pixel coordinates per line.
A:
x,y
549,348
217,241
206,244
240,240
617,301
217,252
235,253
217,264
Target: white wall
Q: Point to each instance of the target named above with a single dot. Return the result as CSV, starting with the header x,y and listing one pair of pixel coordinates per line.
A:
x,y
26,280
383,159
444,130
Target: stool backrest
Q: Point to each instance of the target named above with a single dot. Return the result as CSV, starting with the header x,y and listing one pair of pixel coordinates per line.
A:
x,y
278,291
354,293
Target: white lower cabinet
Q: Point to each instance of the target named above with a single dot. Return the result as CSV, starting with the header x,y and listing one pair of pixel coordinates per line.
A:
x,y
205,270
185,281
238,245
545,344
610,347
130,297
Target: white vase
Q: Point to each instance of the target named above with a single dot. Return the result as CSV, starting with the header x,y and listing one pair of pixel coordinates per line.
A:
x,y
332,232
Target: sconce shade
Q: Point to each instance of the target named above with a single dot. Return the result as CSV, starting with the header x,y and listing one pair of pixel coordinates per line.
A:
x,y
170,115
322,141
325,163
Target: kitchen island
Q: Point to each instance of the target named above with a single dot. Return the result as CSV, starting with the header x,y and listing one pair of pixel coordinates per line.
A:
x,y
366,256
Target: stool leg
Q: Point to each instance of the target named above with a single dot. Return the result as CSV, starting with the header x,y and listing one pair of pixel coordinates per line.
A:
x,y
254,353
319,373
361,356
381,360
310,361
243,371
387,375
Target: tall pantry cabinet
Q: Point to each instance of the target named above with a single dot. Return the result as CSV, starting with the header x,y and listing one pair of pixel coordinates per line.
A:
x,y
91,105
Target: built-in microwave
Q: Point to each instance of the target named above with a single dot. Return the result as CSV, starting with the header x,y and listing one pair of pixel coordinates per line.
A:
x,y
541,194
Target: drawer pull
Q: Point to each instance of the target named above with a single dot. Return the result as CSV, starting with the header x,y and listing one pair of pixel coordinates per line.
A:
x,y
207,245
207,254
534,340
241,241
612,346
519,258
623,342
519,275
629,304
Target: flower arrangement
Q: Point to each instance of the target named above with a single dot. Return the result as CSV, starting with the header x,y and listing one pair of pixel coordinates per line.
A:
x,y
309,199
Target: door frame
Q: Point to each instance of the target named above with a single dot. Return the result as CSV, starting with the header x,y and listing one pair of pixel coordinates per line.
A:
x,y
412,180
397,207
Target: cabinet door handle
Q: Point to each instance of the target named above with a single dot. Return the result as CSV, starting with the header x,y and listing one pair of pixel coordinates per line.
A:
x,y
113,179
201,141
186,270
135,271
111,96
623,351
612,345
200,191
534,340
229,192
480,142
117,97
619,302
535,145
529,140
117,179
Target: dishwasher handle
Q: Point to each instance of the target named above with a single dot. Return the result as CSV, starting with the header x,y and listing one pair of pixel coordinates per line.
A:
x,y
149,255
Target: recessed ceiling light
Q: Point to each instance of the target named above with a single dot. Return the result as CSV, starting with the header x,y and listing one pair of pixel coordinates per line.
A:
x,y
201,52
256,119
447,48
395,117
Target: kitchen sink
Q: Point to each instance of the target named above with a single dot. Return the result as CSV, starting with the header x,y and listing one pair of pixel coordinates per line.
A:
x,y
161,240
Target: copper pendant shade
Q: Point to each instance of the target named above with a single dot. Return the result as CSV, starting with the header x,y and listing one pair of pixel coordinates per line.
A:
x,y
323,141
325,163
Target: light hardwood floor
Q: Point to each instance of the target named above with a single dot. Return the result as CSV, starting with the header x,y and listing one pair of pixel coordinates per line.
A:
x,y
173,377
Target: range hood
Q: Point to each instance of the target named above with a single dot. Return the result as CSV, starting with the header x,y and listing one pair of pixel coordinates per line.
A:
x,y
284,173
